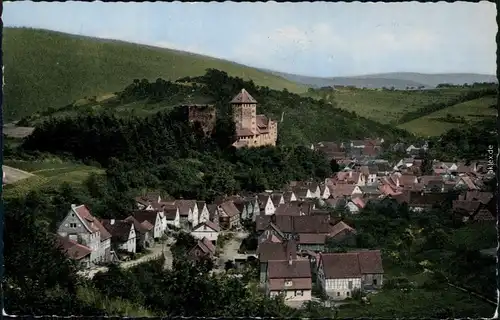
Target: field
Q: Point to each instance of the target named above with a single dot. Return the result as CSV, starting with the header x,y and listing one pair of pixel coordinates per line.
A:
x,y
472,111
386,106
390,303
54,69
50,172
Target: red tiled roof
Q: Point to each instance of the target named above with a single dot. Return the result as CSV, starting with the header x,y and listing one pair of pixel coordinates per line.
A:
x,y
277,251
71,248
351,264
283,269
92,222
119,229
229,209
209,224
312,238
244,132
339,227
143,227
145,215
243,97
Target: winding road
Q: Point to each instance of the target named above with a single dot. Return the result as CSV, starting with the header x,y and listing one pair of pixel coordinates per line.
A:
x,y
13,175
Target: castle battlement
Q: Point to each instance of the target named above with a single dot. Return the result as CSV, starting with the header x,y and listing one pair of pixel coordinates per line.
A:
x,y
252,129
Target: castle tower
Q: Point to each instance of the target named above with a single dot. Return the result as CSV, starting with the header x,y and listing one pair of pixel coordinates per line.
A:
x,y
245,111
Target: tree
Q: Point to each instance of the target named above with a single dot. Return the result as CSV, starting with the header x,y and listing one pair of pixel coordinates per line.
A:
x,y
334,166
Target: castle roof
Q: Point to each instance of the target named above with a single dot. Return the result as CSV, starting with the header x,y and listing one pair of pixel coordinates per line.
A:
x,y
243,97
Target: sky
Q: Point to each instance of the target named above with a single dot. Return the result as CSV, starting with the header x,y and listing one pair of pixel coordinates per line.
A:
x,y
316,39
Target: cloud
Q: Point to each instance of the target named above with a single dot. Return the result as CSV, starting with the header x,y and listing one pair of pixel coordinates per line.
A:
x,y
291,43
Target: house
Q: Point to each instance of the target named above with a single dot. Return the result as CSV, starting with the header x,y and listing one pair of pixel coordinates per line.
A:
x,y
146,201
290,278
345,190
419,201
207,230
153,218
229,215
483,197
123,234
203,215
172,217
466,209
75,251
370,174
311,242
185,210
81,226
302,193
253,208
272,234
315,190
296,208
450,166
411,149
213,213
144,233
354,205
268,251
188,211
358,144
324,192
277,199
370,192
204,249
340,274
266,204
465,183
289,196
342,233
350,177
244,206
484,215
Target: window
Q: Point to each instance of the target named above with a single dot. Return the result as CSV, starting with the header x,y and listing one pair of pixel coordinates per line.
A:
x,y
348,293
374,282
349,285
288,283
338,294
299,293
72,225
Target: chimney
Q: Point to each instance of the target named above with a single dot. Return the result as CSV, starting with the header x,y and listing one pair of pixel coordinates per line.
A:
x,y
290,259
112,222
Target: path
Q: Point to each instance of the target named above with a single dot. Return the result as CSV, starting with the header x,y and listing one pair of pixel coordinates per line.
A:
x,y
13,175
13,131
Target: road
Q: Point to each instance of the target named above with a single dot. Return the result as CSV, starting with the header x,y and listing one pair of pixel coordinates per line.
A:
x,y
13,175
230,250
155,252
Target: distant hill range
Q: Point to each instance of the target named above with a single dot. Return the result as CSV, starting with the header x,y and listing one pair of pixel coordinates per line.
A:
x,y
398,80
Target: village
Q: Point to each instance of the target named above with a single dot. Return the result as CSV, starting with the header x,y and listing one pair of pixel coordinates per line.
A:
x,y
294,227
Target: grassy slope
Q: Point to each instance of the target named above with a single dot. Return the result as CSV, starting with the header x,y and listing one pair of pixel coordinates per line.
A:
x,y
472,111
51,172
53,69
387,106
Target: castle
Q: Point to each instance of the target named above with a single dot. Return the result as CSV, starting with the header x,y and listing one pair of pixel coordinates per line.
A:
x,y
252,129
